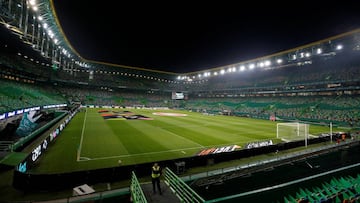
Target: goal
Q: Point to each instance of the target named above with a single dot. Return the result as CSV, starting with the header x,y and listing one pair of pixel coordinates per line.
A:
x,y
292,131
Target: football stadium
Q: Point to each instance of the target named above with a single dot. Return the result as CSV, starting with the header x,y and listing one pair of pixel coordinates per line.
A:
x,y
280,128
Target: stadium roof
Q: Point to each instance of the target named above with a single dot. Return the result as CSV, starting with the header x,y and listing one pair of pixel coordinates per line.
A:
x,y
194,39
184,37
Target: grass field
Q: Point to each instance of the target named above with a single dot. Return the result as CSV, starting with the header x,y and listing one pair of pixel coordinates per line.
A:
x,y
99,140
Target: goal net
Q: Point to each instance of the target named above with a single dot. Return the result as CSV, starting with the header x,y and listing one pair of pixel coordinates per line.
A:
x,y
292,131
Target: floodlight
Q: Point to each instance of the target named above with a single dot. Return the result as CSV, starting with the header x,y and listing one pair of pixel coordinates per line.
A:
x,y
267,63
32,2
339,47
318,50
35,8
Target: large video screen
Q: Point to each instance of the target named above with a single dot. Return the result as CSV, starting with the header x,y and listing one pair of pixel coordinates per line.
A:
x,y
178,95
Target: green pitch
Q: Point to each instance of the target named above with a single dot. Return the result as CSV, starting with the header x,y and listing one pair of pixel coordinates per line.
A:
x,y
91,141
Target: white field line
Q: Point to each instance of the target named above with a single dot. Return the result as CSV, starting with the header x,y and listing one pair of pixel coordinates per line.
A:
x,y
82,136
140,154
149,153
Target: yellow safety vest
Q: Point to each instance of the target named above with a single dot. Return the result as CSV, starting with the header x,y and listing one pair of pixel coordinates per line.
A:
x,y
155,172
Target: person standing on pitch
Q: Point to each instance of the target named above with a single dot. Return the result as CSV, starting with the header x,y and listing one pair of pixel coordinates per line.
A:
x,y
155,177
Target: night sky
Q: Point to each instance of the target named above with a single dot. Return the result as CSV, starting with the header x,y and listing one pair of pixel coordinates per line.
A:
x,y
183,37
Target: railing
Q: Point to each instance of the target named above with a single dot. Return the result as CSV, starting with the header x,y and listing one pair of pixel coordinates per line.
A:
x,y
180,188
137,194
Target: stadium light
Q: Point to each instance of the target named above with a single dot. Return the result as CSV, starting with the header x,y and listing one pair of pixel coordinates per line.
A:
x,y
32,2
318,50
50,33
251,66
267,63
35,8
33,5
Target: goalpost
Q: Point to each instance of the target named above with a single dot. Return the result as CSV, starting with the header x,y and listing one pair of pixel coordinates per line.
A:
x,y
292,131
